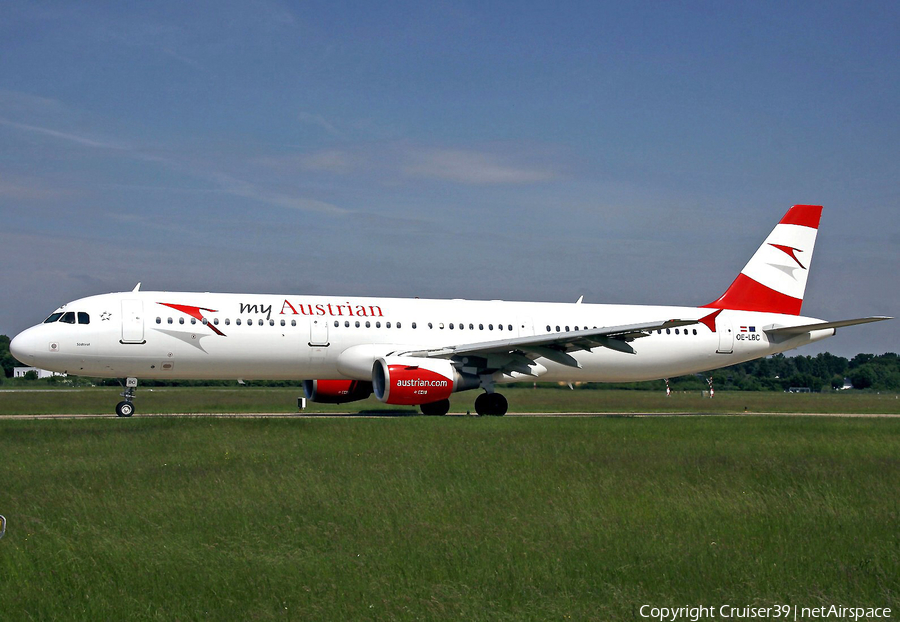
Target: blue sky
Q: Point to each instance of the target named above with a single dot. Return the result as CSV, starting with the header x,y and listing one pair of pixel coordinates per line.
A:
x,y
629,152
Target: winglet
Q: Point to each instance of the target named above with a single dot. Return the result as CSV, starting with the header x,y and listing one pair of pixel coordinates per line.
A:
x,y
774,280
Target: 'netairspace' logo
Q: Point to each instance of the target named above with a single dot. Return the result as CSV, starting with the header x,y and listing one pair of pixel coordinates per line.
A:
x,y
784,612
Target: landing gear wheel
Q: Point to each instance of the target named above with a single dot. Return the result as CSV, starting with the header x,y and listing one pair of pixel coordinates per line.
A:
x,y
491,404
124,409
499,405
436,409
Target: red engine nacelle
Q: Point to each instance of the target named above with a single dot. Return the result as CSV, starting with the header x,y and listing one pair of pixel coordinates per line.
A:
x,y
412,381
336,391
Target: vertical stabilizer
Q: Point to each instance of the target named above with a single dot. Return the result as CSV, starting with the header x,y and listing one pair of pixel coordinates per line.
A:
x,y
774,279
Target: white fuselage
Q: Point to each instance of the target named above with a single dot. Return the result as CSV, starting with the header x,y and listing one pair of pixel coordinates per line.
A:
x,y
167,335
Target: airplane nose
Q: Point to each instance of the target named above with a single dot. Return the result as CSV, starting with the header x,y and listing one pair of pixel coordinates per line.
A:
x,y
23,346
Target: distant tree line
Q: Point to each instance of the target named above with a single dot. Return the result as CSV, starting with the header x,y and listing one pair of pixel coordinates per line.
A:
x,y
775,373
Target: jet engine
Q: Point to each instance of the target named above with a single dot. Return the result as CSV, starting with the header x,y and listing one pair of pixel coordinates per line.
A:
x,y
410,380
336,391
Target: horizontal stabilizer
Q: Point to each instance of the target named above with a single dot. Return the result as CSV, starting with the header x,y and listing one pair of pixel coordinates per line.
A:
x,y
799,330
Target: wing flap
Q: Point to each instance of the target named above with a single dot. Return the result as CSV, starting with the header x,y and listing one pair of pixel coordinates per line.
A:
x,y
613,337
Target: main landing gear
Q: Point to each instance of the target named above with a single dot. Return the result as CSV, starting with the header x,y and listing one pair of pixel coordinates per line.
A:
x,y
125,408
485,404
491,404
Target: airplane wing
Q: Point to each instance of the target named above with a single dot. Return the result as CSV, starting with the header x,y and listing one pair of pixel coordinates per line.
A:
x,y
518,353
799,330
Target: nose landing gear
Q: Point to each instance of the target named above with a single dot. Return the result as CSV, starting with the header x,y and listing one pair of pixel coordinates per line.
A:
x,y
125,408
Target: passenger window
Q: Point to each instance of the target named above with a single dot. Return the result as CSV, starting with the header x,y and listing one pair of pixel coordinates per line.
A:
x,y
227,321
509,327
216,321
169,321
451,325
205,321
346,323
159,320
490,327
548,328
387,324
336,323
429,325
357,323
193,320
377,324
368,324
293,322
481,327
668,331
441,326
676,332
181,320
695,331
471,327
398,325
238,321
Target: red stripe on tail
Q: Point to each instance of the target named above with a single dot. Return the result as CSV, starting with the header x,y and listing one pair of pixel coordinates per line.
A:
x,y
745,294
803,215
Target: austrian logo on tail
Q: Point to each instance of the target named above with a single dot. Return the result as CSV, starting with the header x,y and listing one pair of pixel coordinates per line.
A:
x,y
790,251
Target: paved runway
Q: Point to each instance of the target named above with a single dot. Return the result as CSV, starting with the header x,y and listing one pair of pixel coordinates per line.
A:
x,y
401,415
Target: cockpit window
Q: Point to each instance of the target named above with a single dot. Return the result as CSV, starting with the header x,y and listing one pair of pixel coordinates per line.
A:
x,y
68,317
83,318
53,318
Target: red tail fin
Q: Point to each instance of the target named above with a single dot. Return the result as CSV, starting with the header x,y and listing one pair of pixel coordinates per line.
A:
x,y
774,279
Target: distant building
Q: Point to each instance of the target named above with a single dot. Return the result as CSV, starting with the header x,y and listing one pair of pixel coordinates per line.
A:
x,y
19,372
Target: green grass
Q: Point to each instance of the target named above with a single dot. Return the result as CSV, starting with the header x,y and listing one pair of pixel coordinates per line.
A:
x,y
444,518
280,400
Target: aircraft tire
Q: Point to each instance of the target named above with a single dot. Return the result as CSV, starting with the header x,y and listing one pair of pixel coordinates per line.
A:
x,y
124,409
499,405
491,404
436,409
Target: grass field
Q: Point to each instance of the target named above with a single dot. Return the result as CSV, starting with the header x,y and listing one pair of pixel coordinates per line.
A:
x,y
444,518
278,400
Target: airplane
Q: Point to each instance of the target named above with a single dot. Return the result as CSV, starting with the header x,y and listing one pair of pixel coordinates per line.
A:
x,y
417,351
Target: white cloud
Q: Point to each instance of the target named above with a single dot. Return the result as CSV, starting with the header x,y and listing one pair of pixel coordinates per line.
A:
x,y
247,190
473,168
86,141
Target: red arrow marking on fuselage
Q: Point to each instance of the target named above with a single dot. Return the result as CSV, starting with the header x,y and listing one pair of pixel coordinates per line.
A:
x,y
195,312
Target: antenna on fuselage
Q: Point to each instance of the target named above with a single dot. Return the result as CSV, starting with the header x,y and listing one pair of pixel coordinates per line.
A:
x,y
137,288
